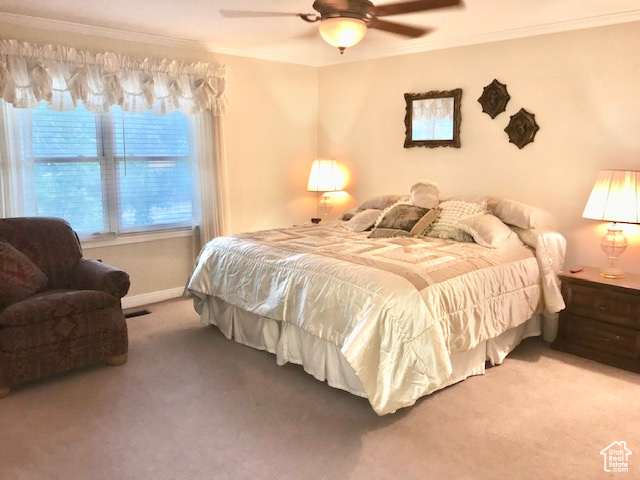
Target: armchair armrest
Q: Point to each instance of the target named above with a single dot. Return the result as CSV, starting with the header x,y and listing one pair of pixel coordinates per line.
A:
x,y
93,275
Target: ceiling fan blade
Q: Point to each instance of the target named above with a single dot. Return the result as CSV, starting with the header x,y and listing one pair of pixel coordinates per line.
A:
x,y
413,6
399,28
249,14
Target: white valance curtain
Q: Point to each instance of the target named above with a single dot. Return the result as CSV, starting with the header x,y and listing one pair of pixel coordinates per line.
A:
x,y
62,76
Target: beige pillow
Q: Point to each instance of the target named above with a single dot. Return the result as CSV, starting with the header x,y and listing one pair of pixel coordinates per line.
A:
x,y
348,215
524,216
404,221
380,202
364,220
425,194
451,212
489,231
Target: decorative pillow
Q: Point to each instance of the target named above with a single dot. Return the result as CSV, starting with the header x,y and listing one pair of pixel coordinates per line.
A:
x,y
492,202
451,212
348,215
425,194
524,216
489,231
404,221
402,201
364,220
381,202
19,277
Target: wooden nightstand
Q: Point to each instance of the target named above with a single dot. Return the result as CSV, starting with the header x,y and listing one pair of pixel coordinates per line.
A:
x,y
602,318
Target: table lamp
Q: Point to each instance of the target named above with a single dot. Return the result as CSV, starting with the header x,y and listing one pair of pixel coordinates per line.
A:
x,y
615,198
323,178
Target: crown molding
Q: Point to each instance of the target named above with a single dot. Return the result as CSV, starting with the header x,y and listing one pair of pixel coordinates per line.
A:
x,y
63,26
60,25
354,56
260,55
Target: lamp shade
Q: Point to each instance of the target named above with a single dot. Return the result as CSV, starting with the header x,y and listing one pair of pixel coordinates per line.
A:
x,y
615,197
342,32
323,176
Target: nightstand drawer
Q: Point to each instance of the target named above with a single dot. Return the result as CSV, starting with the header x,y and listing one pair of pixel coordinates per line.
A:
x,y
600,336
613,307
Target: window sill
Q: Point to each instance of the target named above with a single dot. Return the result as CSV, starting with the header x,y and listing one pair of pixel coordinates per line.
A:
x,y
105,241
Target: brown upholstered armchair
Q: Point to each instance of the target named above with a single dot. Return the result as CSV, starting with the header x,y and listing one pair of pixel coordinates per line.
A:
x,y
58,310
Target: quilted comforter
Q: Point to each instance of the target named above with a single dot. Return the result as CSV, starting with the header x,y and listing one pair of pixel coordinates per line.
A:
x,y
397,308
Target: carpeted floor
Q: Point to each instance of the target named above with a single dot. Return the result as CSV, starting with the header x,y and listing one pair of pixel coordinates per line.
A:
x,y
190,404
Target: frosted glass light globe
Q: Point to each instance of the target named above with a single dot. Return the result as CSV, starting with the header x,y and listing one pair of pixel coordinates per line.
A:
x,y
342,32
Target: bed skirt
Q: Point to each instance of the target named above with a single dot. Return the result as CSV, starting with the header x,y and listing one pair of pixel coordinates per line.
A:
x,y
324,360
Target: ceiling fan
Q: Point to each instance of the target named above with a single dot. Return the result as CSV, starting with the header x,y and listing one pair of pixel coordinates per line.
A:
x,y
343,23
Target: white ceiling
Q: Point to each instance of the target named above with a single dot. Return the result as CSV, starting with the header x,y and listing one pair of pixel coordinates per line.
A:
x,y
198,23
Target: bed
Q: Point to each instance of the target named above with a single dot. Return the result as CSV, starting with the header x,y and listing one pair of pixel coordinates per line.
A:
x,y
389,319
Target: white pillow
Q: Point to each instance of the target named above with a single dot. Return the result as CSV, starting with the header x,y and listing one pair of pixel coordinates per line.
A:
x,y
489,231
524,216
364,220
425,194
492,202
451,212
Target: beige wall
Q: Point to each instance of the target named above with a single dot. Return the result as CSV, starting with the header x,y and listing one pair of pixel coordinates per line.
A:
x,y
271,139
582,86
159,267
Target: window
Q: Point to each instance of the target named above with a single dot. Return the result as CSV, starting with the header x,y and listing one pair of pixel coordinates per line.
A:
x,y
108,173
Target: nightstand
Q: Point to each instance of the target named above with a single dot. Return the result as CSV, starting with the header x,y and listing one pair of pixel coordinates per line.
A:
x,y
602,318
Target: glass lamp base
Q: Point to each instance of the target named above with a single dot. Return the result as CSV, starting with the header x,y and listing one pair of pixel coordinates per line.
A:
x,y
326,204
614,243
612,273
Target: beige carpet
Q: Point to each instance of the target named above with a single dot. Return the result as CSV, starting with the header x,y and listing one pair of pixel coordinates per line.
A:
x,y
190,404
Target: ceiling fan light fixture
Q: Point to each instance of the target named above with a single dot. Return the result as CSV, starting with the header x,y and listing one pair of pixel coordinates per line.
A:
x,y
342,32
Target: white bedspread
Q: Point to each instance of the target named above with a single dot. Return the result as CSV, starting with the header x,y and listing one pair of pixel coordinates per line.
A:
x,y
396,307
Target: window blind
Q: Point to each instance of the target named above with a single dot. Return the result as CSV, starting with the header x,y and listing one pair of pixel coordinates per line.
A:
x,y
116,173
153,169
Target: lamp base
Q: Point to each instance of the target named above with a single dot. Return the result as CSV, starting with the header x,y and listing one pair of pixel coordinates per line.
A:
x,y
612,273
614,243
325,205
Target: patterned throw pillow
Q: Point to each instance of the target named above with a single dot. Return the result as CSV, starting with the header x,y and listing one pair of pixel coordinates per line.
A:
x,y
19,277
451,212
404,221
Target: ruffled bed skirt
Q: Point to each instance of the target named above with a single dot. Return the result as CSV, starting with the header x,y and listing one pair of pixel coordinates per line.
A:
x,y
324,360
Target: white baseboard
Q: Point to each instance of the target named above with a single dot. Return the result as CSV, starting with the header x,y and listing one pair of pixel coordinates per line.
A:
x,y
153,297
